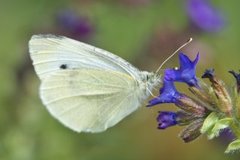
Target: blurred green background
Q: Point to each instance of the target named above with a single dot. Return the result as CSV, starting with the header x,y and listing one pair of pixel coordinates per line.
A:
x,y
144,32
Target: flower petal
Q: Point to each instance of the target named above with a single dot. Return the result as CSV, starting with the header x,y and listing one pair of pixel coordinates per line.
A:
x,y
168,94
166,119
186,72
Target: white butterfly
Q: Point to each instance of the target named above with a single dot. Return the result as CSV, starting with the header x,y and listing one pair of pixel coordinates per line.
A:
x,y
86,88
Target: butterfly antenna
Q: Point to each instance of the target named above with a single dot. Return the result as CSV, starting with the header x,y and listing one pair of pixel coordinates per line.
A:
x,y
190,40
151,93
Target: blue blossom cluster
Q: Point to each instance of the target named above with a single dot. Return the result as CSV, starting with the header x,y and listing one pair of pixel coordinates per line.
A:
x,y
191,111
213,108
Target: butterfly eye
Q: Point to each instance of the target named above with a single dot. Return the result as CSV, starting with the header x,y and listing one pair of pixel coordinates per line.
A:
x,y
63,66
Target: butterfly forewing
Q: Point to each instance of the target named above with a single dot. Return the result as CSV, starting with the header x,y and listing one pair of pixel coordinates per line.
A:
x,y
49,53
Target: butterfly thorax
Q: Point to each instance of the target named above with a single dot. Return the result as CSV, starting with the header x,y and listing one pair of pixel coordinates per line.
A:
x,y
149,80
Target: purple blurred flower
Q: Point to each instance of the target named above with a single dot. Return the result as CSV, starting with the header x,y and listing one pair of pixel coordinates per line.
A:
x,y
186,72
204,15
168,94
226,136
166,119
74,24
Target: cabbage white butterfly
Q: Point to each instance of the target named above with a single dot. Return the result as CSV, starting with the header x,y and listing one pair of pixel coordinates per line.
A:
x,y
86,88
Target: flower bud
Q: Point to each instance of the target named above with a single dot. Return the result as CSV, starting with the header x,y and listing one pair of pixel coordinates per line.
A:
x,y
206,95
183,118
224,99
191,106
192,131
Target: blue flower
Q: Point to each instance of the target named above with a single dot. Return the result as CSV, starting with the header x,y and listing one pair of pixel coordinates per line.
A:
x,y
166,119
186,72
204,15
168,94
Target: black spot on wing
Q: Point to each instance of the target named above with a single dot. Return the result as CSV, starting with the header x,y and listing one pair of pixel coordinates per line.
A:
x,y
63,66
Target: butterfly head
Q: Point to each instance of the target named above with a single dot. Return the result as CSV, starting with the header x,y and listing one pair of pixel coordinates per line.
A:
x,y
150,80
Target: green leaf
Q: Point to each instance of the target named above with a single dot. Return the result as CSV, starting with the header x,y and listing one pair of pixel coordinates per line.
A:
x,y
209,122
235,145
220,125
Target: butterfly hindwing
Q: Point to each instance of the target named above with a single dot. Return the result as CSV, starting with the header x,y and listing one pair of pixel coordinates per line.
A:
x,y
89,100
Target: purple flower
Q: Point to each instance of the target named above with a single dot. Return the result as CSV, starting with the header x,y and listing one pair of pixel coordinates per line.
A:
x,y
74,24
204,15
186,72
226,136
168,94
166,119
